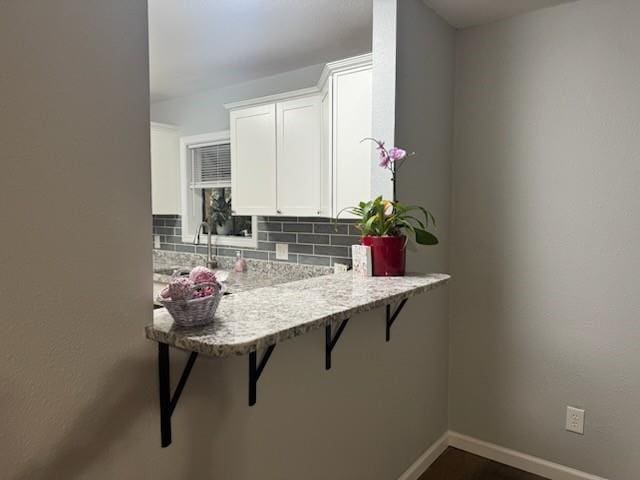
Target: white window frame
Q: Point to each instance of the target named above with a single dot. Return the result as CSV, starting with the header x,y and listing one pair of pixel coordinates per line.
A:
x,y
191,199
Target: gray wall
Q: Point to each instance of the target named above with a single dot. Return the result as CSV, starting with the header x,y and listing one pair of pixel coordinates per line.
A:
x,y
79,385
424,124
545,260
204,112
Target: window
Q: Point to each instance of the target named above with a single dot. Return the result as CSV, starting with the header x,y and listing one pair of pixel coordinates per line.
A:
x,y
206,191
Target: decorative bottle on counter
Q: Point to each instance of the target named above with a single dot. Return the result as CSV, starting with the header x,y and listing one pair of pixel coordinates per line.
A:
x,y
241,263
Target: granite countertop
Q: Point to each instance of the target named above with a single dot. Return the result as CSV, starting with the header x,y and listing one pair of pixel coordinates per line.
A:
x,y
237,282
260,273
251,320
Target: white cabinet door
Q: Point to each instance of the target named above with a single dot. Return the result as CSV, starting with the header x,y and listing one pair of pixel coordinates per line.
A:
x,y
165,169
352,121
253,160
326,163
298,156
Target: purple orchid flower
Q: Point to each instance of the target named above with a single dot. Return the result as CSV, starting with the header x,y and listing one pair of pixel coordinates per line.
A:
x,y
396,154
384,160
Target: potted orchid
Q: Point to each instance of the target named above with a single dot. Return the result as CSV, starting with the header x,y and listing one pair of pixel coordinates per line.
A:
x,y
384,224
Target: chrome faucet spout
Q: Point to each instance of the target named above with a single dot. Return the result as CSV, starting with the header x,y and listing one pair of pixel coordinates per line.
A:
x,y
211,262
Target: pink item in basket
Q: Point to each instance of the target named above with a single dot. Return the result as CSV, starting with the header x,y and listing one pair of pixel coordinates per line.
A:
x,y
181,288
202,275
206,291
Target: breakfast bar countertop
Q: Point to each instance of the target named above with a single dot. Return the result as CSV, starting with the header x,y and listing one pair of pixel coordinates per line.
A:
x,y
251,320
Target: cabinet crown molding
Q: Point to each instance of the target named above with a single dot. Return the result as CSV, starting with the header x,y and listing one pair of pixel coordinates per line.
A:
x,y
350,63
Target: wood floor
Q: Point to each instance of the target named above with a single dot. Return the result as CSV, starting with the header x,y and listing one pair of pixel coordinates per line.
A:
x,y
455,464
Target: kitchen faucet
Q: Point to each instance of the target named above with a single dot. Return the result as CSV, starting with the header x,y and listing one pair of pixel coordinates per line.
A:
x,y
211,262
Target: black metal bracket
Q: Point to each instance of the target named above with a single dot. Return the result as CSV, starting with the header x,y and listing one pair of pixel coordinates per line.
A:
x,y
330,341
167,402
392,317
255,370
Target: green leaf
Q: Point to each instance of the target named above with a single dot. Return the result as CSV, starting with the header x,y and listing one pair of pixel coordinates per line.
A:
x,y
425,238
427,214
368,226
411,217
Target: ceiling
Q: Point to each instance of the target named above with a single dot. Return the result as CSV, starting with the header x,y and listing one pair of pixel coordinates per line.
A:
x,y
198,45
470,13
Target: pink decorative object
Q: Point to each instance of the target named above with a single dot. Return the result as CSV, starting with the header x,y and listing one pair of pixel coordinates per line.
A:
x,y
202,275
181,288
192,301
206,291
396,154
241,264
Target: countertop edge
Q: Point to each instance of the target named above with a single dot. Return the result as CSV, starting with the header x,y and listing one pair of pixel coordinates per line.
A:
x,y
231,349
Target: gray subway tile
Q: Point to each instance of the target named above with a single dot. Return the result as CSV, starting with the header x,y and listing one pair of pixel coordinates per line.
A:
x,y
300,248
268,246
164,230
313,238
353,230
311,260
331,251
263,236
269,227
282,237
172,223
331,228
185,247
346,240
297,227
255,254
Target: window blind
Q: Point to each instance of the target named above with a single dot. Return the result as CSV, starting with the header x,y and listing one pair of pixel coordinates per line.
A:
x,y
210,166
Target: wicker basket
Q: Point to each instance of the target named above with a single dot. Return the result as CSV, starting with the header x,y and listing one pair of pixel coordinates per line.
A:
x,y
195,312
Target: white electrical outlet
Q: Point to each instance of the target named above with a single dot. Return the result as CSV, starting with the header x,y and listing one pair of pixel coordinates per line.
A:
x,y
575,420
156,241
282,251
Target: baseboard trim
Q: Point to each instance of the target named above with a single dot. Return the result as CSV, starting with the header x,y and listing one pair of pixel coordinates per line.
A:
x,y
426,459
522,461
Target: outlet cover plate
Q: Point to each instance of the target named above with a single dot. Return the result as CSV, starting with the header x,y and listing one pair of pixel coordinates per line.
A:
x,y
282,251
575,420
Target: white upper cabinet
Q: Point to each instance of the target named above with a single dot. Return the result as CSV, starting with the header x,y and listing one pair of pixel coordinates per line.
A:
x,y
165,169
298,156
352,122
326,146
300,153
253,160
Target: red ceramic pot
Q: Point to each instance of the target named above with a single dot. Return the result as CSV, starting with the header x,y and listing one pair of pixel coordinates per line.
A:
x,y
388,255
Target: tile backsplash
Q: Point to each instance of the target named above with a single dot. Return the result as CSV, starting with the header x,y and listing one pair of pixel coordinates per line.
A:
x,y
311,240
